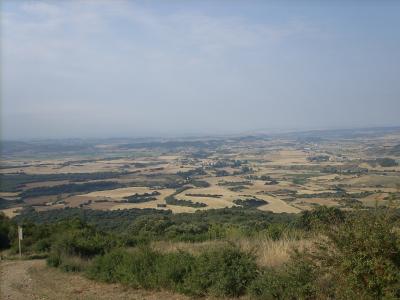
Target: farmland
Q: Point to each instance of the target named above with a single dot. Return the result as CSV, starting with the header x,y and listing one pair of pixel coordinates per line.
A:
x,y
289,172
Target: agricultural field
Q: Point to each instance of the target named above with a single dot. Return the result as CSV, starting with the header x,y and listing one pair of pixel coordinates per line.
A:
x,y
289,172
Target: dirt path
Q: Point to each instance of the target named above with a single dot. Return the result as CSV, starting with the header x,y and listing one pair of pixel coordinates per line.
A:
x,y
32,279
14,279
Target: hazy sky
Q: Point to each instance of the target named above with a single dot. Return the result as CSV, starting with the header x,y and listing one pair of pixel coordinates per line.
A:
x,y
137,68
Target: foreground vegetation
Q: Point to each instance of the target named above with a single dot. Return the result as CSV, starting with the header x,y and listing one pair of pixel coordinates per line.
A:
x,y
352,255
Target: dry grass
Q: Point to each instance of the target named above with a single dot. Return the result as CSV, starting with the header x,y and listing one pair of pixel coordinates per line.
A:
x,y
269,253
193,248
288,157
277,205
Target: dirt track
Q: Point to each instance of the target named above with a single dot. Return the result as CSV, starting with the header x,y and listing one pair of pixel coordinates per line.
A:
x,y
32,279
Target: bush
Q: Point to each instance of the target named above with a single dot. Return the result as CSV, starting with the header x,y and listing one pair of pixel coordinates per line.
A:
x,y
106,268
43,245
221,272
362,257
296,280
275,231
136,268
84,243
142,267
72,249
172,270
320,218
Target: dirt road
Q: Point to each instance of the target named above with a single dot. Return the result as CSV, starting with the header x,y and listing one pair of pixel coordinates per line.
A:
x,y
32,279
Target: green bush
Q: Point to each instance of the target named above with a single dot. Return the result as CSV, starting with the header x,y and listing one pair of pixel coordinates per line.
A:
x,y
105,268
72,248
295,280
172,270
41,238
362,257
221,272
42,245
275,231
84,243
136,268
320,218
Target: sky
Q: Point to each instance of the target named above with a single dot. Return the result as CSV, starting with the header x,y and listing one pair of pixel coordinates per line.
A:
x,y
155,68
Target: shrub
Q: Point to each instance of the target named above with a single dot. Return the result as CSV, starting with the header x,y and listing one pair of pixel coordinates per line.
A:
x,y
362,257
295,280
106,268
320,217
221,272
275,231
142,267
42,245
136,268
172,270
84,243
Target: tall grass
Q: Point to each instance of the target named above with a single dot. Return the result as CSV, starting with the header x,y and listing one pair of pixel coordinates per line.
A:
x,y
274,253
268,252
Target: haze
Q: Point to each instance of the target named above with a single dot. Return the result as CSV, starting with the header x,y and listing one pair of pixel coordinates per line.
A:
x,y
143,68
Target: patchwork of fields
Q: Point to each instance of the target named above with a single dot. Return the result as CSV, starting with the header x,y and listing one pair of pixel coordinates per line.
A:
x,y
280,173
